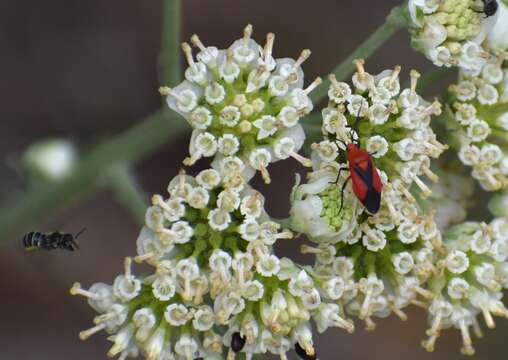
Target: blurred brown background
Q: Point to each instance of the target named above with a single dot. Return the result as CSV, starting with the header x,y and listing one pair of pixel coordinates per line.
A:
x,y
86,69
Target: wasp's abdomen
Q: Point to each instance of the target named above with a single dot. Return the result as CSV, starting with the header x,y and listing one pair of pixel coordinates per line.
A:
x,y
34,240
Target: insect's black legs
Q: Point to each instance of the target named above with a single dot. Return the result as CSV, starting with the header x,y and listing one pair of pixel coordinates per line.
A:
x,y
342,194
344,168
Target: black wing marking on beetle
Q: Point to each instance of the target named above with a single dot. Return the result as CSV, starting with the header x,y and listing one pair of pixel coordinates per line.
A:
x,y
372,200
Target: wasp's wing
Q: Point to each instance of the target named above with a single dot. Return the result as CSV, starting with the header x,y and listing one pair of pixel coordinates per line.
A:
x,y
367,186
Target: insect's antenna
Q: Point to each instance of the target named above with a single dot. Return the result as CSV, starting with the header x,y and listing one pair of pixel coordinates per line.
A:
x,y
353,126
80,232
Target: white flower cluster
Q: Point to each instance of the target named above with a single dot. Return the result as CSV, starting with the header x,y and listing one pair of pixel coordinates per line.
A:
x,y
374,264
369,284
469,280
390,124
243,102
451,32
217,283
479,105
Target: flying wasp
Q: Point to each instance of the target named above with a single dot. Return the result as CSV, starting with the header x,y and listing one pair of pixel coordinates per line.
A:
x,y
35,240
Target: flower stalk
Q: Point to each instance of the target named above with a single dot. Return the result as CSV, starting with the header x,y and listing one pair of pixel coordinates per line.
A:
x,y
396,20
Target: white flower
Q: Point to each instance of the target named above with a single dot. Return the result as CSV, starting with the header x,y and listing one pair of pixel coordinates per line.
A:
x,y
163,288
458,288
268,265
219,219
374,240
377,146
204,318
266,125
176,314
457,262
186,346
403,262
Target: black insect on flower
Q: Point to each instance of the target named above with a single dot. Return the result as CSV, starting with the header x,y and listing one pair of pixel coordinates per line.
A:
x,y
237,342
490,7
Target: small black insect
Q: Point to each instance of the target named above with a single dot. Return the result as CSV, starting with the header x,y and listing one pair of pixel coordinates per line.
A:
x,y
51,241
237,342
489,7
303,354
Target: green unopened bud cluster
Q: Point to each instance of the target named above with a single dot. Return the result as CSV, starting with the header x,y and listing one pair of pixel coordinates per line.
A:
x,y
450,32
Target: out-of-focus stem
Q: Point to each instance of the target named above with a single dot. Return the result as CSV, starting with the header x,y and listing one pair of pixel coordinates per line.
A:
x,y
170,66
127,191
396,20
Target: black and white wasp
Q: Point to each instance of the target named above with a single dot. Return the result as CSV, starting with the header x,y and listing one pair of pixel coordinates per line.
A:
x,y
35,240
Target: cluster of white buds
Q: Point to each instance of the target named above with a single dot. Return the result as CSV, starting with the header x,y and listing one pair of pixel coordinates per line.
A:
x,y
451,32
479,105
217,286
469,282
243,102
372,264
451,197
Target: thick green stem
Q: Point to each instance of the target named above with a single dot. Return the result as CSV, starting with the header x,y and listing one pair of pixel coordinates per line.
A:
x,y
127,191
170,66
41,202
396,20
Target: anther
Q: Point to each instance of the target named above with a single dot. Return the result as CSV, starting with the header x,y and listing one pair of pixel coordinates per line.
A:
x,y
313,85
85,334
306,249
270,38
188,53
304,55
76,289
359,67
415,75
395,73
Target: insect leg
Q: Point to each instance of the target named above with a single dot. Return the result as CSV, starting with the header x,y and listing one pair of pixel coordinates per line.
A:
x,y
344,168
342,193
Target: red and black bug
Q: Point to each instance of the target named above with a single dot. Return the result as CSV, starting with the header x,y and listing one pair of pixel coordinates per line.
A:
x,y
364,176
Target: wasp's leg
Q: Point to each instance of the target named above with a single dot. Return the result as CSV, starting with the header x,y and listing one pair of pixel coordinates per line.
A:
x,y
342,194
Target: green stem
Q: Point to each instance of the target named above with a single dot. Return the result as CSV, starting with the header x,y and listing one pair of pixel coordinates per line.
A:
x,y
170,66
127,191
396,20
430,78
128,147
